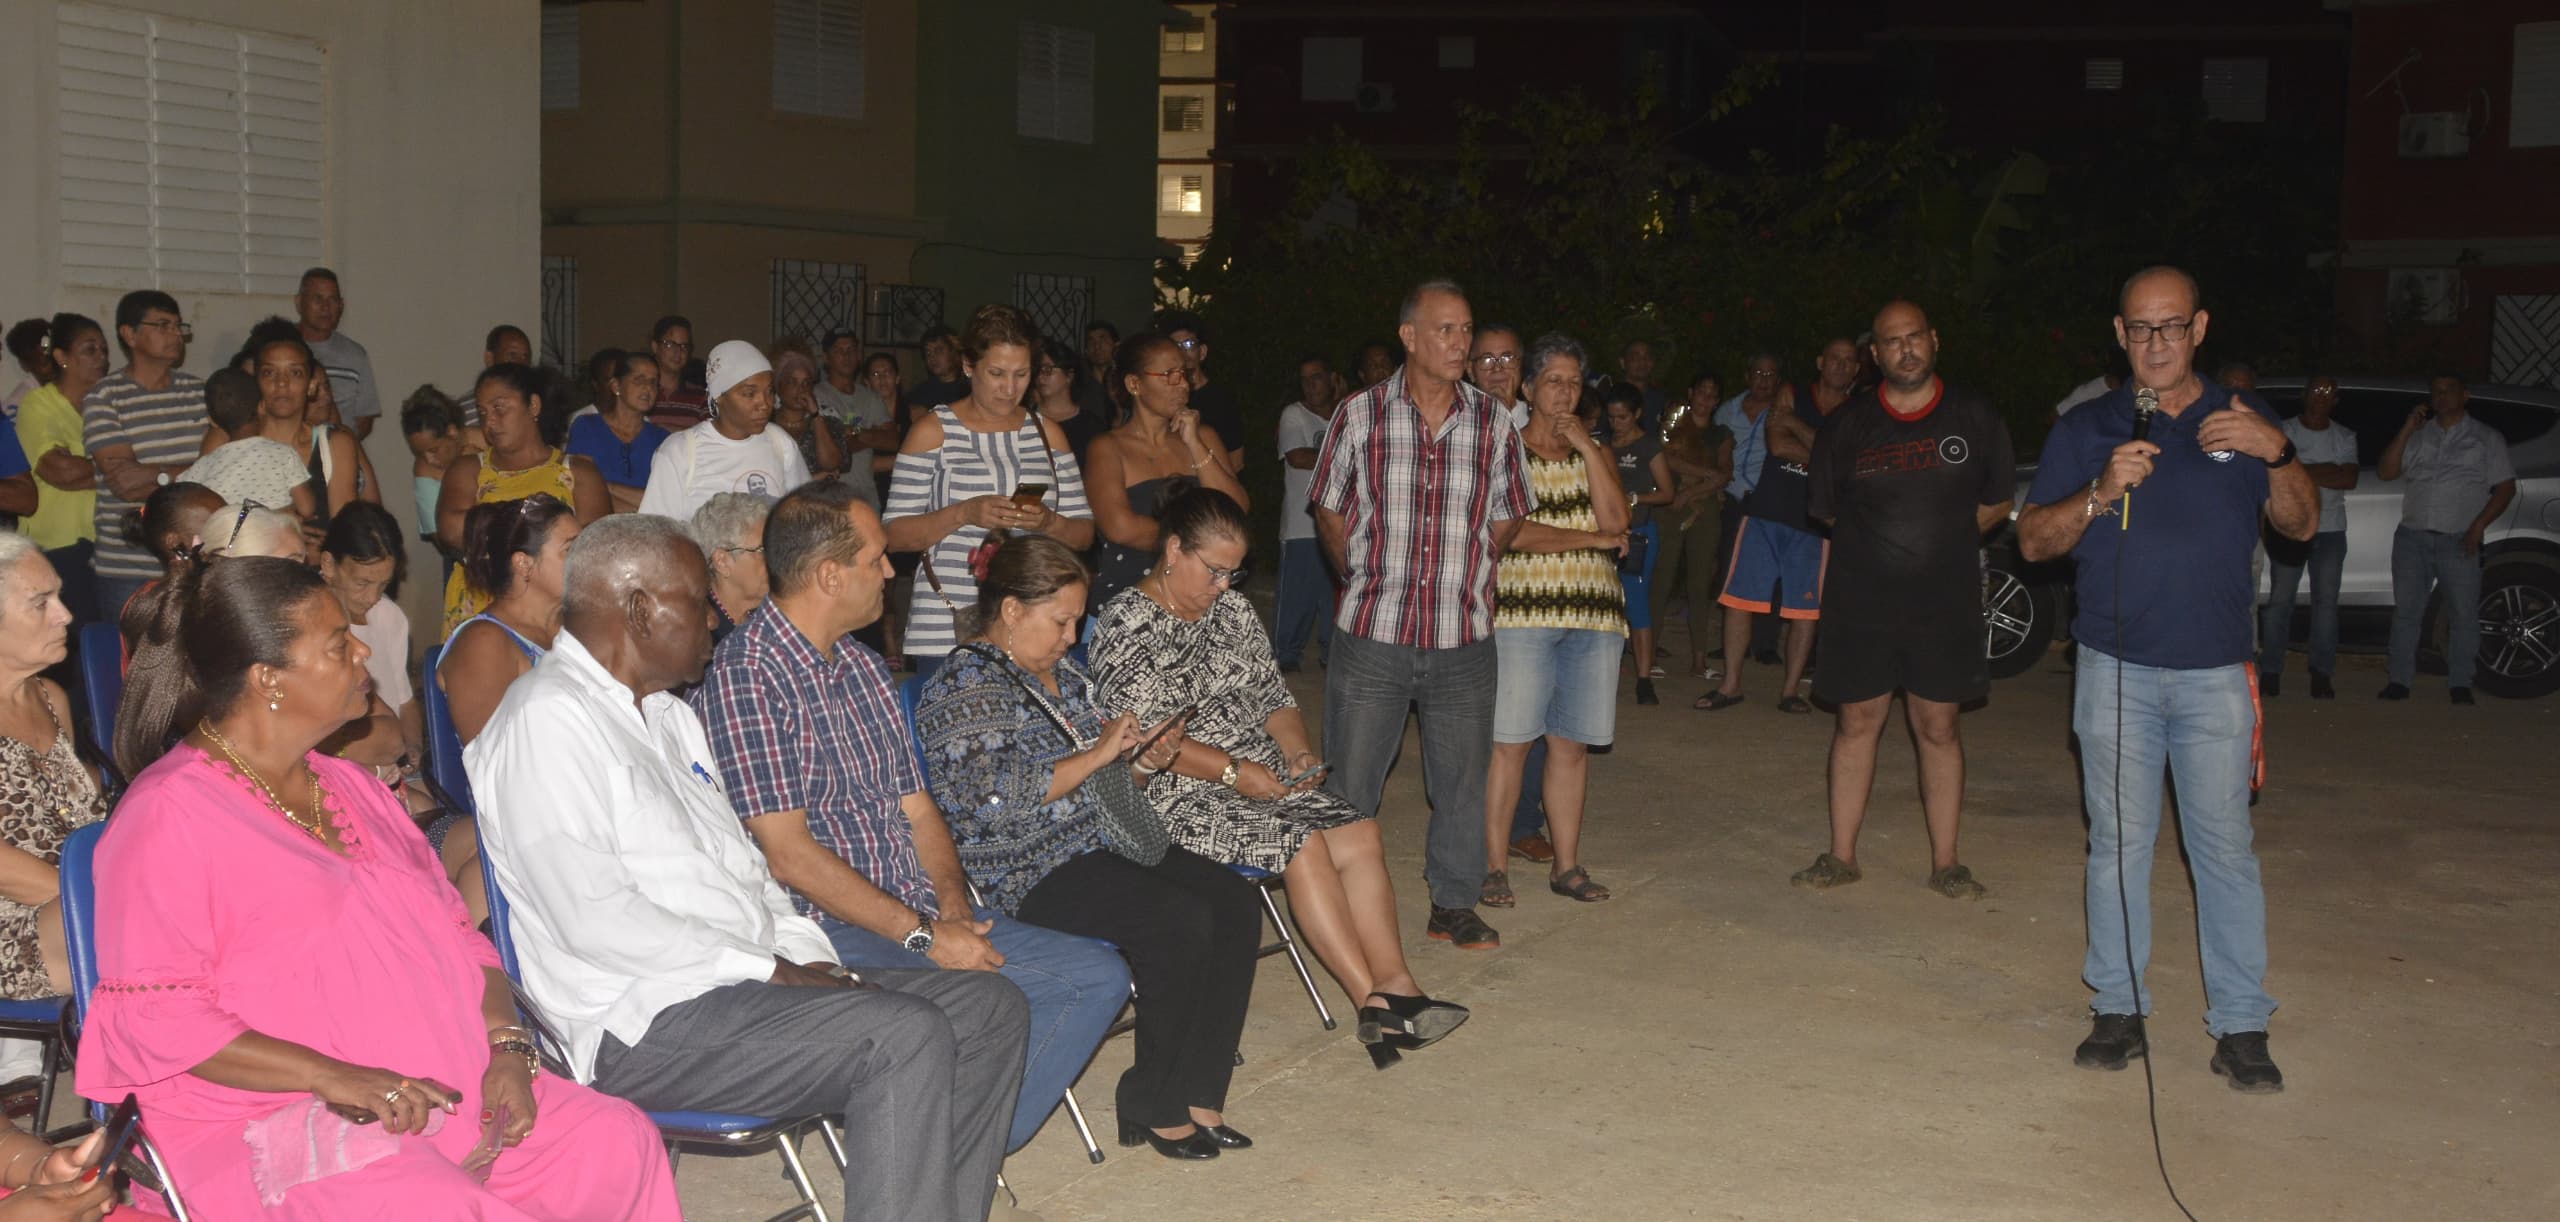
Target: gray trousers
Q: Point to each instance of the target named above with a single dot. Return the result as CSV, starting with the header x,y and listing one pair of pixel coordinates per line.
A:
x,y
1368,687
923,1071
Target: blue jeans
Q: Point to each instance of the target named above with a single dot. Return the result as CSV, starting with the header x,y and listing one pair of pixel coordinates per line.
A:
x,y
2198,724
1368,688
2421,559
1305,602
2326,559
1076,987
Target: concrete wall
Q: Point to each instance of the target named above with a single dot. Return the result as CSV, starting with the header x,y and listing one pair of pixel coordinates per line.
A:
x,y
432,207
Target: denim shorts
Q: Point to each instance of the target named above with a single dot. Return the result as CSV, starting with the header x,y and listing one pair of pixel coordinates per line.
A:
x,y
1559,681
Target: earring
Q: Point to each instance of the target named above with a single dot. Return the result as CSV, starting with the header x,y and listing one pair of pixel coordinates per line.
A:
x,y
275,700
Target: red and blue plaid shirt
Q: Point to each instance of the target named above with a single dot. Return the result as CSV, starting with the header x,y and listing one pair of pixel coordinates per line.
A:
x,y
794,731
1418,510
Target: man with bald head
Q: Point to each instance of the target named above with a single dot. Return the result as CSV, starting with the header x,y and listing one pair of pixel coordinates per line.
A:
x,y
652,937
2155,491
1908,476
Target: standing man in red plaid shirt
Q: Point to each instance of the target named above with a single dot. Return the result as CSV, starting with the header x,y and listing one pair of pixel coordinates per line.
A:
x,y
1419,488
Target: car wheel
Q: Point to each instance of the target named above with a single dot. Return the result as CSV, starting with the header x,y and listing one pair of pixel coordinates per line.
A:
x,y
2520,626
2017,618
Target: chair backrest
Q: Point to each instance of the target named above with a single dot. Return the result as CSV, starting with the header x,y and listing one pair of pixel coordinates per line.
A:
x,y
910,693
80,911
444,743
101,683
499,930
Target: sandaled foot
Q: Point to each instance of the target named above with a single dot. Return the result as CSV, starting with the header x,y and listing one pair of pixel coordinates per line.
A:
x,y
1715,701
1795,704
1576,884
1496,892
1826,872
1956,883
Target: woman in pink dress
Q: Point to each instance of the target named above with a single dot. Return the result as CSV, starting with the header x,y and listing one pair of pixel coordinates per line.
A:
x,y
278,952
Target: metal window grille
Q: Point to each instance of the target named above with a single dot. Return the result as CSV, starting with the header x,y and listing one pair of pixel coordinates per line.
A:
x,y
1186,112
900,314
560,311
1181,194
812,298
1060,305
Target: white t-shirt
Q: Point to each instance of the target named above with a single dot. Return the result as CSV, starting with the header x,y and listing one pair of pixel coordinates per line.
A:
x,y
2332,444
860,408
259,469
1300,429
2082,393
385,631
698,463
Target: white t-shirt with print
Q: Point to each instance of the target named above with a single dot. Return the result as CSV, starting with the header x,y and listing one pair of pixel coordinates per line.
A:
x,y
699,463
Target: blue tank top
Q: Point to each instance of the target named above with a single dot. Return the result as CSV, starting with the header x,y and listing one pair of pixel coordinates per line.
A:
x,y
532,652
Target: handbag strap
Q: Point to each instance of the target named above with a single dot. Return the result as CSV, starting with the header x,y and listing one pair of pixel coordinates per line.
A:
x,y
1039,699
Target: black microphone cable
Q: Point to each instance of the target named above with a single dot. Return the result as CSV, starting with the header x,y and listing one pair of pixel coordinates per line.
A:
x,y
2124,898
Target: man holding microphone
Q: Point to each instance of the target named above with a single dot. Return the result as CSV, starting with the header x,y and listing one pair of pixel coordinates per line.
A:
x,y
2165,603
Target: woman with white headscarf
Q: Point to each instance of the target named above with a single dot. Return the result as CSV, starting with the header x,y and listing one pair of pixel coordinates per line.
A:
x,y
737,450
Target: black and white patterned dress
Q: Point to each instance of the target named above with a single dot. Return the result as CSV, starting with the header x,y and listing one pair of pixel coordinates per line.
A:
x,y
1149,662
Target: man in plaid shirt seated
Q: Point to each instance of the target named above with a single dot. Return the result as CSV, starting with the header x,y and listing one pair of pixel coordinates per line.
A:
x,y
1419,487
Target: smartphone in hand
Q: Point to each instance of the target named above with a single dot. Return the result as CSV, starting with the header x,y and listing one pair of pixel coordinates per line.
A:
x,y
1316,771
1162,729
1028,495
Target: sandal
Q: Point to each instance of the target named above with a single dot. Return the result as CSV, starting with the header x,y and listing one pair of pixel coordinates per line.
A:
x,y
1585,890
1496,892
1714,701
1795,704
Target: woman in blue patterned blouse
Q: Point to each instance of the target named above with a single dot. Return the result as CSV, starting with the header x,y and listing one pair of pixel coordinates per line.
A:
x,y
1030,833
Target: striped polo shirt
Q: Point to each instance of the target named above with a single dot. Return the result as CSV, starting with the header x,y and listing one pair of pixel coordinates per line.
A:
x,y
162,426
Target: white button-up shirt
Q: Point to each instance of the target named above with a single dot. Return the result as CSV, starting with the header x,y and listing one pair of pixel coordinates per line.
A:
x,y
631,885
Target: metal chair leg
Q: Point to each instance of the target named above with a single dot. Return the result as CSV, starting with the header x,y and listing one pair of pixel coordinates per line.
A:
x,y
835,1142
168,1187
1280,925
790,1147
1092,1152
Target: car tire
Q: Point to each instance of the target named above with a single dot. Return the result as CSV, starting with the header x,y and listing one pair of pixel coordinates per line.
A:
x,y
2520,626
2019,617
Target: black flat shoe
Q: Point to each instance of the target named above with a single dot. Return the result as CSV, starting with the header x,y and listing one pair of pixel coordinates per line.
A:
x,y
1227,1138
1192,1148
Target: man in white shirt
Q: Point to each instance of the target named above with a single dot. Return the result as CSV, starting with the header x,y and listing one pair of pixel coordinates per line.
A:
x,y
738,449
652,936
2327,451
1306,586
2459,480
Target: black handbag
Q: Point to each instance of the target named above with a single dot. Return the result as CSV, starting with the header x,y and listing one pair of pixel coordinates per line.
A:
x,y
1130,825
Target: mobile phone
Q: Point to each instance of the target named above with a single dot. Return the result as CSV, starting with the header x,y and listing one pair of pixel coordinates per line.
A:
x,y
1161,731
1317,771
1028,495
122,1124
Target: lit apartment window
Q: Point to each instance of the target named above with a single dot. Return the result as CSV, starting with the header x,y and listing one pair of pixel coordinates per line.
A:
x,y
817,58
1186,113
193,157
2104,75
559,57
2533,107
1186,36
1053,83
2235,90
1181,194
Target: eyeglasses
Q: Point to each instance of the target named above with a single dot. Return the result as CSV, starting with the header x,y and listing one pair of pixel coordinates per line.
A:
x,y
2322,392
184,330
679,345
1496,360
2169,332
757,548
1186,344
1167,376
1230,578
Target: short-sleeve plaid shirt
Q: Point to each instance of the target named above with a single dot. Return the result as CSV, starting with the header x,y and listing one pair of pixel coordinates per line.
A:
x,y
1418,511
794,731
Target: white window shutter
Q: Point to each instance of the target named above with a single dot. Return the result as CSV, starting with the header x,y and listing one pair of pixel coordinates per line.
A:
x,y
104,182
818,58
1075,86
560,57
1053,83
2533,106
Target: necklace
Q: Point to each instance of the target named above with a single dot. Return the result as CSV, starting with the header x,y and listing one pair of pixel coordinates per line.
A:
x,y
312,826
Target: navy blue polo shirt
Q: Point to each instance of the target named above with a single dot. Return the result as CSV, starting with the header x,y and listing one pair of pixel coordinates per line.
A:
x,y
2185,548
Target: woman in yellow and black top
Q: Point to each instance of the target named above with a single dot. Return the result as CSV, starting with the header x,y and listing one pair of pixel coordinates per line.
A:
x,y
1559,623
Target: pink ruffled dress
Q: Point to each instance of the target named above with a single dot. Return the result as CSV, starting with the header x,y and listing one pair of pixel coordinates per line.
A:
x,y
217,916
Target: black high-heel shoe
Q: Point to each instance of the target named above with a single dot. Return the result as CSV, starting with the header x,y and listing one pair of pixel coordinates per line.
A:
x,y
1227,1138
1410,1022
1198,1145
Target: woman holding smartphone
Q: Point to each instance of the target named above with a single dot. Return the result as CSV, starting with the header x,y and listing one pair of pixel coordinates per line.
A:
x,y
1245,788
1160,439
977,466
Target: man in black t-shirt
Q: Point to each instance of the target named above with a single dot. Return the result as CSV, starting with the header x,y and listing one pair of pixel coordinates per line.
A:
x,y
1909,475
1217,408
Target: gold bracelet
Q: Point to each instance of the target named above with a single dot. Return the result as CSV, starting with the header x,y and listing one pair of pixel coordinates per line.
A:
x,y
522,1048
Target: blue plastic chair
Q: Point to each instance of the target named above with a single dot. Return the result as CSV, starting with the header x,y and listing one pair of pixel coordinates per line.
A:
x,y
48,1021
80,939
444,743
101,650
725,1130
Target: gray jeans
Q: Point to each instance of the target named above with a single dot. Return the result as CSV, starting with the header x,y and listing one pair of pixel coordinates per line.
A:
x,y
923,1072
1368,687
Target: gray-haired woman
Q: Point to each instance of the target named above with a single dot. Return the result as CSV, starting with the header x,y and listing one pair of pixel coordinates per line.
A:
x,y
45,791
730,529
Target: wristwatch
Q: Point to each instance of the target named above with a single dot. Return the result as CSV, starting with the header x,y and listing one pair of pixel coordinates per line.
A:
x,y
165,479
919,941
2282,457
1227,775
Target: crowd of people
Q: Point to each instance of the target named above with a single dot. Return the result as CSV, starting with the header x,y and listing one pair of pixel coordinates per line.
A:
x,y
745,873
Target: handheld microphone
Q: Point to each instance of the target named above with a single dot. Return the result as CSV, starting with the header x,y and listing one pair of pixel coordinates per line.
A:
x,y
2146,404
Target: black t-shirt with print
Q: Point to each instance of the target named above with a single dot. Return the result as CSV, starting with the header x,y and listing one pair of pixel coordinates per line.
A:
x,y
1901,492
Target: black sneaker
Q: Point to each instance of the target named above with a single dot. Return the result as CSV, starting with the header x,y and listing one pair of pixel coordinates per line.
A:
x,y
2270,685
2242,1057
2462,695
1463,927
2113,1040
1645,693
2321,688
2393,691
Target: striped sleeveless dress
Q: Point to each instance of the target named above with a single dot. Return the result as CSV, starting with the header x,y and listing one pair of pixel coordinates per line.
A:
x,y
970,464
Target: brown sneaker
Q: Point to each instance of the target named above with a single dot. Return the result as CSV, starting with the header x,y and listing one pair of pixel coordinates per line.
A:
x,y
1826,872
1956,883
1535,847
